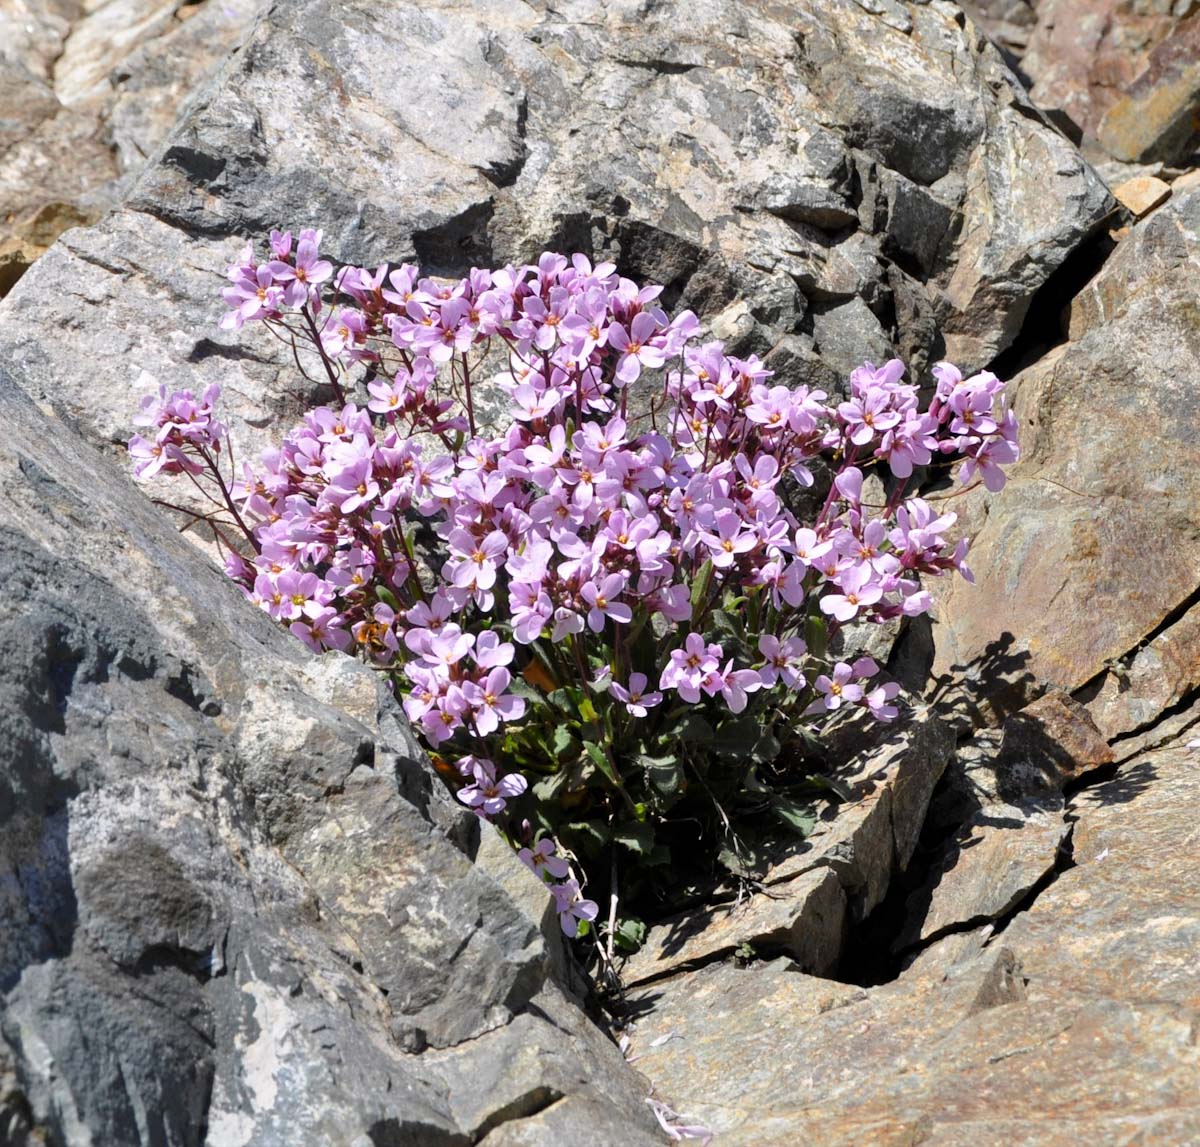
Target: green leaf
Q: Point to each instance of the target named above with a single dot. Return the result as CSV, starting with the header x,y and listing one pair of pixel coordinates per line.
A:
x,y
694,727
586,836
551,789
700,588
730,623
563,742
664,773
658,857
387,597
752,783
843,790
816,637
800,818
637,838
600,760
736,738
522,688
731,862
630,934
766,749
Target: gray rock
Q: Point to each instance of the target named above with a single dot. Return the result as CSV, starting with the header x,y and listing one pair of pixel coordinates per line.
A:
x,y
455,138
217,909
87,92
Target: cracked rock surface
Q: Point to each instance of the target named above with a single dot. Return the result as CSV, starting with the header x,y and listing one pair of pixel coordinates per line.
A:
x,y
1051,994
1092,546
234,906
1076,1023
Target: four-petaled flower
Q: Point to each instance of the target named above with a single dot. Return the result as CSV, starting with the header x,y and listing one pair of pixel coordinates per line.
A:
x,y
634,696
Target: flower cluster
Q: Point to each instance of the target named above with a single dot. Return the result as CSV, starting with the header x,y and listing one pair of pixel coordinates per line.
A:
x,y
285,282
183,430
572,582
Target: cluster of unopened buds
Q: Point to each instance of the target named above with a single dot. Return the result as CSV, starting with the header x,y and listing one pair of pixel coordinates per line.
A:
x,y
576,525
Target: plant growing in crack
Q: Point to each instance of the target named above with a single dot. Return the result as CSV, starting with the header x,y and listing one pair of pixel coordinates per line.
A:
x,y
615,636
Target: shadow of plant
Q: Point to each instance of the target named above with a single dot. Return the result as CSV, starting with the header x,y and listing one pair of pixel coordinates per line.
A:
x,y
1121,784
970,694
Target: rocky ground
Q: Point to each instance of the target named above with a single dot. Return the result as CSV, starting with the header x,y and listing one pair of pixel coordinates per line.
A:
x,y
236,908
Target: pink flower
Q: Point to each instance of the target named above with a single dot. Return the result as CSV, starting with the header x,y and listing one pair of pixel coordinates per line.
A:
x,y
868,415
784,659
990,455
637,701
254,295
387,397
445,717
540,860
490,702
572,907
858,592
908,443
674,602
732,684
322,630
476,560
448,646
837,688
490,652
602,599
688,667
307,273
635,346
534,405
808,548
487,795
353,486
878,701
729,540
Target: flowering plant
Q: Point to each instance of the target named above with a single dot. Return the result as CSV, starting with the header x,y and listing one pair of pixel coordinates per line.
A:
x,y
601,614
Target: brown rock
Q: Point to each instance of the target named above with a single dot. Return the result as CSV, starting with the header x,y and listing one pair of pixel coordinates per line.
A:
x,y
1079,1028
1003,984
1186,181
1050,742
1159,675
1096,538
1083,54
1026,762
804,917
868,839
994,860
1143,194
1156,119
1008,23
847,861
85,96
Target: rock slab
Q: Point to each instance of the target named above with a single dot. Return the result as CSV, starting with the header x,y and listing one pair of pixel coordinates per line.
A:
x,y
220,920
1076,1024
